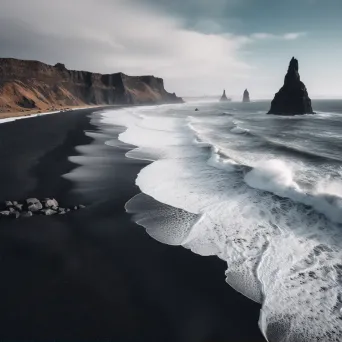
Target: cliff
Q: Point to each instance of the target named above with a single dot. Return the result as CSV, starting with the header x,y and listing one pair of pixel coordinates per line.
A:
x,y
292,98
35,85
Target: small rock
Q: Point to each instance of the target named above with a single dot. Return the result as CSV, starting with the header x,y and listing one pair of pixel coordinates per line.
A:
x,y
81,206
15,214
75,207
48,212
61,211
35,207
5,213
15,203
11,210
50,203
26,214
19,207
67,210
196,110
33,204
30,201
8,204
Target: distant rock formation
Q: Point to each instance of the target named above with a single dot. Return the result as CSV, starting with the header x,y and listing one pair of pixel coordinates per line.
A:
x,y
292,98
37,86
224,97
246,96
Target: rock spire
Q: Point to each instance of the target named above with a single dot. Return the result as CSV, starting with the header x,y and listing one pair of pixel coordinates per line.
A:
x,y
292,98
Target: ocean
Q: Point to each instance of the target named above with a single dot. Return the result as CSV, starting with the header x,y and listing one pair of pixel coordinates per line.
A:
x,y
261,192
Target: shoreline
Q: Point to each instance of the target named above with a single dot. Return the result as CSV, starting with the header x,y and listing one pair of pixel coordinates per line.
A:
x,y
24,114
95,274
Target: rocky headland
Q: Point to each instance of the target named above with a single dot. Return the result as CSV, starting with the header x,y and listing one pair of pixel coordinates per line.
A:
x,y
32,85
292,98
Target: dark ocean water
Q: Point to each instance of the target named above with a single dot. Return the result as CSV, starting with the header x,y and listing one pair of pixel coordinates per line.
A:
x,y
261,192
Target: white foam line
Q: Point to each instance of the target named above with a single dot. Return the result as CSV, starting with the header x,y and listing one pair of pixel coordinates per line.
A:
x,y
14,118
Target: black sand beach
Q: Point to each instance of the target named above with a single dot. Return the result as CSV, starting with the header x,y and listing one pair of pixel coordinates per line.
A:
x,y
94,274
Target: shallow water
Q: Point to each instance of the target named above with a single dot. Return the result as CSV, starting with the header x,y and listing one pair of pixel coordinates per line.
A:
x,y
262,192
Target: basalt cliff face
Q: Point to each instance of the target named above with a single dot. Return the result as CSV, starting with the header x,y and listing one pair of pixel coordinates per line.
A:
x,y
292,98
35,85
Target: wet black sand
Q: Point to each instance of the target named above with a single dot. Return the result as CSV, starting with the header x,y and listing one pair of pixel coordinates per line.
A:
x,y
94,274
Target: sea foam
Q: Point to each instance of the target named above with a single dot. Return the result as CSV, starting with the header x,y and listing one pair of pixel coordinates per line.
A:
x,y
282,241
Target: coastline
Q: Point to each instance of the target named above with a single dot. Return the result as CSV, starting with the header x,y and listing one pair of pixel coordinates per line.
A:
x,y
37,112
95,274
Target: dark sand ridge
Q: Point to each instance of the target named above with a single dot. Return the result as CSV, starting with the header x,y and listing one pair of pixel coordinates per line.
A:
x,y
94,274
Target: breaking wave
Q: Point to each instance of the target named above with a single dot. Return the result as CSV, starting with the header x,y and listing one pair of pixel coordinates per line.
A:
x,y
274,218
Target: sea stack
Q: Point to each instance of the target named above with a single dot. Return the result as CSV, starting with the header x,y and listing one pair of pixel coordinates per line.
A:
x,y
246,96
224,97
292,98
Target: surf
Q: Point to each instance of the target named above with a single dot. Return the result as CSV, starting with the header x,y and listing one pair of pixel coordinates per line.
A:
x,y
209,191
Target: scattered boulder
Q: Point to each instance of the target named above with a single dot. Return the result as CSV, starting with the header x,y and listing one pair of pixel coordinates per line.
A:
x,y
246,96
15,214
62,211
50,203
48,212
196,110
34,206
18,206
32,201
26,214
292,98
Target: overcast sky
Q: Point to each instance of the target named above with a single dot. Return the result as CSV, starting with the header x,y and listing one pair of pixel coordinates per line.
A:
x,y
199,47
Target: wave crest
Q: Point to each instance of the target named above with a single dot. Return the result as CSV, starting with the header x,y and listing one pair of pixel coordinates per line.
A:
x,y
280,249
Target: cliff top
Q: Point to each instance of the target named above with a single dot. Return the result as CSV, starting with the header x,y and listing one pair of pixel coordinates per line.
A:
x,y
37,65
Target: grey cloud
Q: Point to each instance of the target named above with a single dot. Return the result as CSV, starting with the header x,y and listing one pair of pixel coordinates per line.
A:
x,y
118,35
214,16
20,40
139,37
